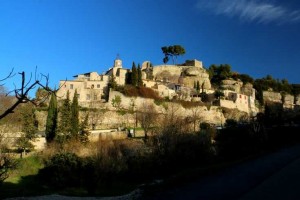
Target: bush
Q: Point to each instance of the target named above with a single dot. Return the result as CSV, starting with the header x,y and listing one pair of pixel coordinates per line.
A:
x,y
144,92
7,163
62,170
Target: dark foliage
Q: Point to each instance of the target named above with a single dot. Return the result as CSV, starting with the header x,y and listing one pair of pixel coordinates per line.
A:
x,y
62,170
131,91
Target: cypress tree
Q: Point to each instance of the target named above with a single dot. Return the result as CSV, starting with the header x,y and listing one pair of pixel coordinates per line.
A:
x,y
51,123
139,76
128,78
75,116
134,75
65,116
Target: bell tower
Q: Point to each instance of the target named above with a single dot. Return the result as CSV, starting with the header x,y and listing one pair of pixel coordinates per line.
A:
x,y
118,62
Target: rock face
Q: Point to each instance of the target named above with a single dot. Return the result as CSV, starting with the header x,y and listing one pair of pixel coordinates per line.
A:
x,y
230,84
270,96
247,89
235,114
186,75
288,101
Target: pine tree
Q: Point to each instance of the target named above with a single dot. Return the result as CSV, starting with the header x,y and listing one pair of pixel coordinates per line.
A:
x,y
65,116
51,123
139,76
134,75
75,116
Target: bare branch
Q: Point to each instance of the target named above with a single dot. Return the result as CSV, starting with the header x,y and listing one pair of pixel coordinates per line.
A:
x,y
10,75
21,93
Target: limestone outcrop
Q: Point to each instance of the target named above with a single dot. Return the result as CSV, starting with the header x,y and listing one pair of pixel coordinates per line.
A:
x,y
182,74
230,84
247,89
288,101
270,96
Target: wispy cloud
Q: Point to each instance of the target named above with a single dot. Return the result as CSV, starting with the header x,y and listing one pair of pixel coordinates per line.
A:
x,y
260,11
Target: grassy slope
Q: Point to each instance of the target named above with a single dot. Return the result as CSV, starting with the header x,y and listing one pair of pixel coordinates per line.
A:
x,y
22,181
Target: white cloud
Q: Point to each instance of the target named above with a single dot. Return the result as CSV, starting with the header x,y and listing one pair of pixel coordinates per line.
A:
x,y
251,10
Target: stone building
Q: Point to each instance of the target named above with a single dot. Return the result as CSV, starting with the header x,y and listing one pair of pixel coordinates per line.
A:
x,y
91,87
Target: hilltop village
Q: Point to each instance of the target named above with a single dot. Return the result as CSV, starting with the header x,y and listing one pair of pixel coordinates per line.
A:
x,y
170,82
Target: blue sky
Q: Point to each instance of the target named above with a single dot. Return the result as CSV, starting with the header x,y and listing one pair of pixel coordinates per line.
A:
x,y
68,37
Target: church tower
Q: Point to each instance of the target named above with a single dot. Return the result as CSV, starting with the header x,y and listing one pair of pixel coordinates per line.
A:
x,y
118,62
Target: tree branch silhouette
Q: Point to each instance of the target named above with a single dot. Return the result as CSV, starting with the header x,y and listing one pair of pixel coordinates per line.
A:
x,y
22,93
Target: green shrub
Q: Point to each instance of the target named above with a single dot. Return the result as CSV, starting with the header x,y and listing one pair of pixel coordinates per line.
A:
x,y
62,170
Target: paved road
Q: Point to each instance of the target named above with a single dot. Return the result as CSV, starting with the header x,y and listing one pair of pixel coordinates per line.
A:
x,y
274,176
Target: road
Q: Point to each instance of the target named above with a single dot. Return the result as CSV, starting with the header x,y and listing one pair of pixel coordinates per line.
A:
x,y
273,176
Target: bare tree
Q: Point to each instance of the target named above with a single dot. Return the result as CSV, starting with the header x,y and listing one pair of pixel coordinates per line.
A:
x,y
195,116
21,93
146,115
20,96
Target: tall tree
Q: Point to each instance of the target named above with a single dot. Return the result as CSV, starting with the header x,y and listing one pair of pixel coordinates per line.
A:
x,y
29,129
147,117
139,75
173,52
134,75
75,116
29,124
65,116
51,123
83,130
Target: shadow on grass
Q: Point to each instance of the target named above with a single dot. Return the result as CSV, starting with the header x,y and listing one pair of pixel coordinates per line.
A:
x,y
27,186
32,186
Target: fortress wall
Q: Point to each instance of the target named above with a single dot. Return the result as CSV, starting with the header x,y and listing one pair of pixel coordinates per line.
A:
x,y
227,104
172,69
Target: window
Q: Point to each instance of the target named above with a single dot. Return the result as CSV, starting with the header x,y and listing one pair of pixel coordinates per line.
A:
x,y
95,97
88,97
98,85
71,86
240,96
92,86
